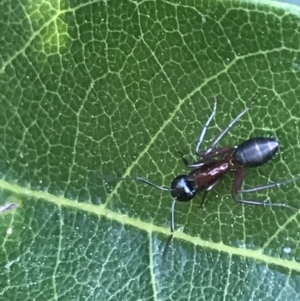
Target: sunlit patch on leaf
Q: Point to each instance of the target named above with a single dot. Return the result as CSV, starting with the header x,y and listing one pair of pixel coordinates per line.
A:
x,y
46,15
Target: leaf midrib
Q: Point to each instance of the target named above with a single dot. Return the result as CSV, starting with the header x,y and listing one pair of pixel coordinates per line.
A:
x,y
101,210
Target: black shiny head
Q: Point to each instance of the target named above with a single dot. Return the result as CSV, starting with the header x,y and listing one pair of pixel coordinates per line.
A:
x,y
183,189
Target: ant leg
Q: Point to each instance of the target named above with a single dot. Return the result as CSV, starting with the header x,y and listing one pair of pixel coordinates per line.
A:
x,y
150,183
215,152
209,158
203,198
269,185
226,130
185,161
198,163
202,134
230,125
209,189
237,184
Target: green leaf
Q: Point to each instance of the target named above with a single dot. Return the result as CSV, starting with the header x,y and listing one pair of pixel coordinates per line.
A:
x,y
96,89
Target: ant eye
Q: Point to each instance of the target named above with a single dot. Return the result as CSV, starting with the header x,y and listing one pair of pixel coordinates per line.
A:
x,y
183,189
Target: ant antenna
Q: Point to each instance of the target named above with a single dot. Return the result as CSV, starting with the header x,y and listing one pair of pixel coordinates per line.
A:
x,y
161,188
172,216
172,228
138,179
149,183
167,245
164,189
172,210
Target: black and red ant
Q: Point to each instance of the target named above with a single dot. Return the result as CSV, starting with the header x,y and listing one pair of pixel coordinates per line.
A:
x,y
216,162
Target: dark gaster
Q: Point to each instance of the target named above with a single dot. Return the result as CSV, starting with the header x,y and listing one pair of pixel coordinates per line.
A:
x,y
256,151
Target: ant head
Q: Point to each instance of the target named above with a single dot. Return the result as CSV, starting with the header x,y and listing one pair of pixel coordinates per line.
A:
x,y
183,189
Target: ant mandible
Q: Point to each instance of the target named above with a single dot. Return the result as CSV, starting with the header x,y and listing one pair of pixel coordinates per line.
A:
x,y
216,162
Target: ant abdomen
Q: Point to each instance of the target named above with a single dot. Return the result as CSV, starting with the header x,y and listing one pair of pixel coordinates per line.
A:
x,y
256,151
183,189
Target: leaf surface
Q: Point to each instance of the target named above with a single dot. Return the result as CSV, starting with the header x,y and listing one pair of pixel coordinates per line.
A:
x,y
96,89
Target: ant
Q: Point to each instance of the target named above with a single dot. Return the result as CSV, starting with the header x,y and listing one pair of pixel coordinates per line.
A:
x,y
216,162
